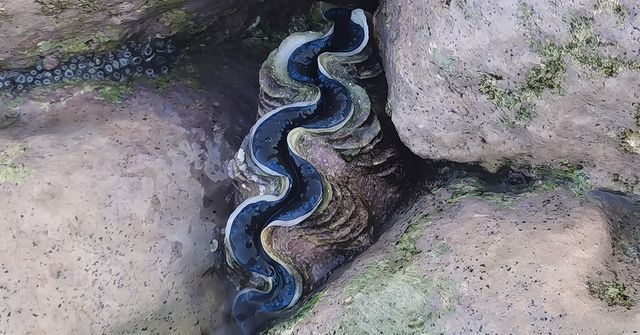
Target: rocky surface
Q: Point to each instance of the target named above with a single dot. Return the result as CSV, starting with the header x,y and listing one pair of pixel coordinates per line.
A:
x,y
111,193
110,198
461,262
30,29
528,83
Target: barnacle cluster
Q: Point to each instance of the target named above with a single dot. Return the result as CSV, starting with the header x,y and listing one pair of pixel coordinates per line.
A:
x,y
151,58
316,173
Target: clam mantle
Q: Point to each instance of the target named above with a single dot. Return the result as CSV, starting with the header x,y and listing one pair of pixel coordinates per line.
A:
x,y
316,173
151,58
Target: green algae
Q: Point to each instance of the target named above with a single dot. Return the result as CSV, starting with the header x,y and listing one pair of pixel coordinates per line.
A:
x,y
630,141
473,187
576,178
10,113
549,179
166,4
4,16
566,175
10,171
404,252
116,93
305,310
445,63
185,73
611,292
163,83
465,187
613,7
441,248
394,297
57,7
72,45
583,49
402,302
179,21
97,42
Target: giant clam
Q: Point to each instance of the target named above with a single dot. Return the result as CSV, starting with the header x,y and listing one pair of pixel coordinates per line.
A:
x,y
151,58
316,172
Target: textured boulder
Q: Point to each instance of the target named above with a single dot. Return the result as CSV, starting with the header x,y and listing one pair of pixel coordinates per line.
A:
x,y
110,196
525,82
540,262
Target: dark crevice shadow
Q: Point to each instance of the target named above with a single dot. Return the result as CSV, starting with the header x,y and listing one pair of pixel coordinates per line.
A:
x,y
623,212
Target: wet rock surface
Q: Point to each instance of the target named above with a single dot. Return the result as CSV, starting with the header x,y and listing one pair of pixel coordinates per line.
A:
x,y
459,263
517,82
110,198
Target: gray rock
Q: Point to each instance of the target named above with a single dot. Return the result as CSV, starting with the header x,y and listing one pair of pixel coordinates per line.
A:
x,y
109,208
535,83
490,264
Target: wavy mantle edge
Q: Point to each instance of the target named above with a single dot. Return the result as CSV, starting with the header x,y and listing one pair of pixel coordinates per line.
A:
x,y
280,62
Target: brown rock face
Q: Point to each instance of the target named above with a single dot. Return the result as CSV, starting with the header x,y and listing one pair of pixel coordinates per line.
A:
x,y
529,82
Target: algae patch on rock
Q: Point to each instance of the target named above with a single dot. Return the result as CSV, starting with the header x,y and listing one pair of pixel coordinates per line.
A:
x,y
11,112
306,309
419,299
116,93
57,7
571,176
178,21
548,75
583,48
10,171
611,292
4,16
97,42
631,141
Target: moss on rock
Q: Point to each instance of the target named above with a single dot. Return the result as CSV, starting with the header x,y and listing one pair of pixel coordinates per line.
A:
x,y
10,171
178,21
116,93
4,16
9,112
613,7
57,7
611,292
547,76
98,42
166,4
289,325
631,141
583,48
419,300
